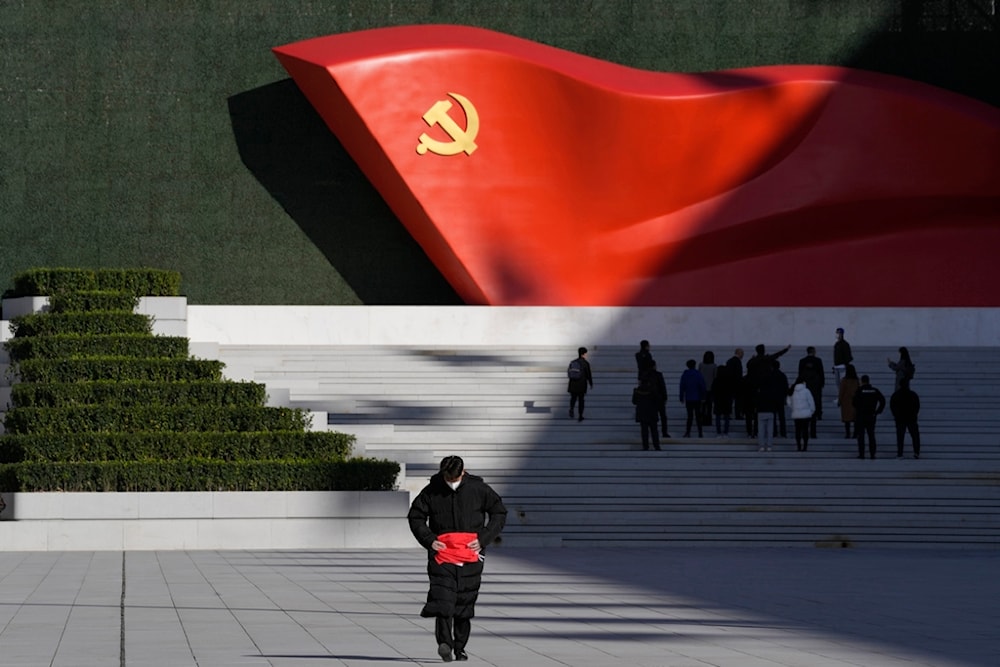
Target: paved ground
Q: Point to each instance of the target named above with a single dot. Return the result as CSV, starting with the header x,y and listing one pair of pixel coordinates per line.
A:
x,y
538,608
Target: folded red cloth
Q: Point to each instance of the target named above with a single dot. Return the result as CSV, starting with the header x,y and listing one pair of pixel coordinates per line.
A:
x,y
456,549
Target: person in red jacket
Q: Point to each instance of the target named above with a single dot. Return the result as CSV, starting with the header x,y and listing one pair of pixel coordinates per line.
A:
x,y
455,517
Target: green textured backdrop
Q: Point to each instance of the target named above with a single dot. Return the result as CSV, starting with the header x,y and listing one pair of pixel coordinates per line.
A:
x,y
164,133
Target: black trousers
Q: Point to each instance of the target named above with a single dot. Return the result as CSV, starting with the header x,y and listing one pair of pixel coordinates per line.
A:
x,y
802,432
647,429
452,631
693,414
901,428
662,409
573,399
860,429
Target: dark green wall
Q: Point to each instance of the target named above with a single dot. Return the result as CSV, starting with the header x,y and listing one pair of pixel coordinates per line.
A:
x,y
165,134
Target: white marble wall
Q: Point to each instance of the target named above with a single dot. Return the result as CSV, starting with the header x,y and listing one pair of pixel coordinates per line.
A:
x,y
209,520
571,327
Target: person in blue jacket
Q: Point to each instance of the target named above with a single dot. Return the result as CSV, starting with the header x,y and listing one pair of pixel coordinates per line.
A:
x,y
692,392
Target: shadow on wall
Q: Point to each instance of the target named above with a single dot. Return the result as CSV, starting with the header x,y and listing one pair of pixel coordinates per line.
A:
x,y
285,145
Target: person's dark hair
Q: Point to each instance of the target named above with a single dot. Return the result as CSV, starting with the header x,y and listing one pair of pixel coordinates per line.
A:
x,y
865,379
452,466
851,372
810,350
760,349
904,383
643,344
776,364
708,357
691,363
581,351
904,355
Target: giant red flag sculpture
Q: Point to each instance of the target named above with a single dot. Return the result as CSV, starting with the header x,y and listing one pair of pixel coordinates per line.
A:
x,y
536,176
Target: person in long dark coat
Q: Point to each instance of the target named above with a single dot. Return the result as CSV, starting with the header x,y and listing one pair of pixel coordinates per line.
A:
x,y
905,406
580,377
455,517
646,400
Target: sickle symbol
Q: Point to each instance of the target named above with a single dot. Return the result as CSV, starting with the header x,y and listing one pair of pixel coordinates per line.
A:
x,y
462,140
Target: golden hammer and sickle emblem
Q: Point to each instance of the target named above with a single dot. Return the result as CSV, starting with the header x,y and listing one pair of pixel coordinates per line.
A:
x,y
462,140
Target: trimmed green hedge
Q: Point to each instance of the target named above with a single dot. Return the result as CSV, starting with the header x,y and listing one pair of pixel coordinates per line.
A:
x,y
112,393
200,475
81,302
119,369
74,346
101,322
100,404
140,281
147,419
83,447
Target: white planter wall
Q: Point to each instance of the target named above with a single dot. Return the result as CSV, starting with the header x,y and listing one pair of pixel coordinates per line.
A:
x,y
208,520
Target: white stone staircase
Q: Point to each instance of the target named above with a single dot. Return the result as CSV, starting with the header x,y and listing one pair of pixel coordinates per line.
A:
x,y
566,482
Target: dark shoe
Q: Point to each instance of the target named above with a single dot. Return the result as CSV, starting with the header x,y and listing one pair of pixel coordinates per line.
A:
x,y
861,456
580,418
686,435
646,449
571,415
445,652
666,435
658,449
461,654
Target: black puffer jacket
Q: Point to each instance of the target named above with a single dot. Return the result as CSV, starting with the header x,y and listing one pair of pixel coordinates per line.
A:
x,y
438,509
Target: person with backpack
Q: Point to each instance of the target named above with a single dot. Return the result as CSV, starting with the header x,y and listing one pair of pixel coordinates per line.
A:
x,y
580,378
904,368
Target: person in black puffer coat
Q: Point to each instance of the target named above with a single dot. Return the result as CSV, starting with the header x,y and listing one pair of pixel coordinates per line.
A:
x,y
455,517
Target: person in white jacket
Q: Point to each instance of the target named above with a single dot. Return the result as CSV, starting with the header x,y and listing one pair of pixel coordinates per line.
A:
x,y
803,406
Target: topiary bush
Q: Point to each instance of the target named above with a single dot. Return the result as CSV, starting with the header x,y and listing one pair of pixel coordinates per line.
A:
x,y
100,404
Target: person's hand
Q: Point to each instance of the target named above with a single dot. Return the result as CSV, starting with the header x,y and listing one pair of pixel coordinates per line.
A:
x,y
438,545
475,546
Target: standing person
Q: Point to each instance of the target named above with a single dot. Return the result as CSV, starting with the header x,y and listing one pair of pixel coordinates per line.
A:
x,y
580,378
845,396
841,355
643,359
708,370
722,394
759,365
868,405
814,375
904,368
455,517
646,400
734,369
692,393
904,404
779,415
771,394
660,388
803,406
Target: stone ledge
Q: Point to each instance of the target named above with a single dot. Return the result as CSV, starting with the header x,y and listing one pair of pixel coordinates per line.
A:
x,y
208,520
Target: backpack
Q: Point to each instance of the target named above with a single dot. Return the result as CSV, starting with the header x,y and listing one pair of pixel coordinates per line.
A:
x,y
575,370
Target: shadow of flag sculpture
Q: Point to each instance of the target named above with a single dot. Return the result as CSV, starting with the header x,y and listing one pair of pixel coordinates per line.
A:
x,y
536,176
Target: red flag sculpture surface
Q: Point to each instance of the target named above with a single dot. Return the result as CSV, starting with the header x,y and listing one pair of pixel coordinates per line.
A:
x,y
536,176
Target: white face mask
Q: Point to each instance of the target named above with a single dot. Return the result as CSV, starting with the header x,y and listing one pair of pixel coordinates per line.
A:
x,y
454,485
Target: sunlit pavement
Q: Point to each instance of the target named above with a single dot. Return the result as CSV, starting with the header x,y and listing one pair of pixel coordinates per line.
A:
x,y
684,607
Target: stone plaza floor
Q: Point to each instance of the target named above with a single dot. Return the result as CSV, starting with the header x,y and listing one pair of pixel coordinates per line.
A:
x,y
580,607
